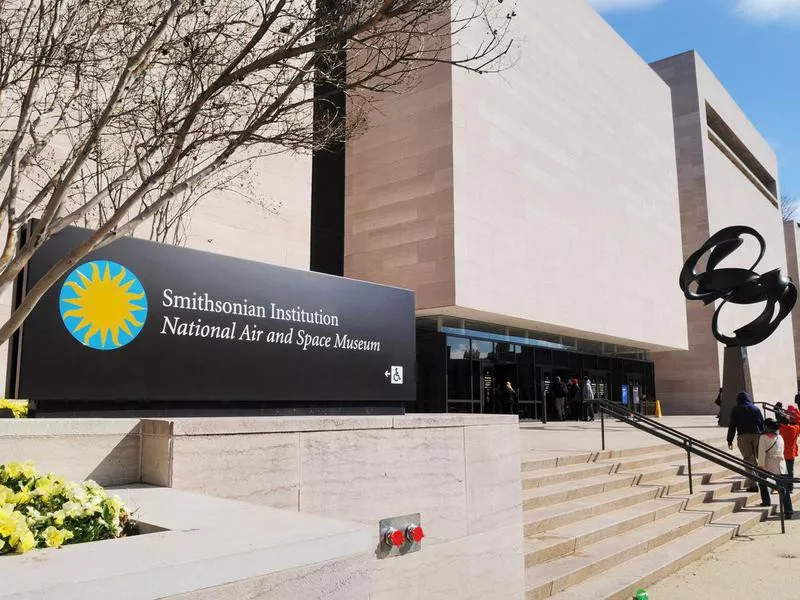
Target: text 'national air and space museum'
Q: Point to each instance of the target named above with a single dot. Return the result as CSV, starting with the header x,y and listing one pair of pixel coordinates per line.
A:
x,y
541,217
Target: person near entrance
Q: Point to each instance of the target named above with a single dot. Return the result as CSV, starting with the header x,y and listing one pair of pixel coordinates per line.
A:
x,y
588,400
575,399
507,397
747,424
770,458
560,395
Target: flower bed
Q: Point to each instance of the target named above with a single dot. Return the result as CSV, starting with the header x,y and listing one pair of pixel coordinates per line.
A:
x,y
18,408
45,511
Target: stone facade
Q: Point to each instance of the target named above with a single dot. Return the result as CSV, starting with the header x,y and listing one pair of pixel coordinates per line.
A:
x,y
545,197
727,176
460,473
792,239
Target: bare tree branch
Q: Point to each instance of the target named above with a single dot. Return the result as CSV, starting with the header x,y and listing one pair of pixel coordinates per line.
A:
x,y
790,210
120,113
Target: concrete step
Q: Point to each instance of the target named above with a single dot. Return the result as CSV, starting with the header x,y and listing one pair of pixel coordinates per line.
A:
x,y
555,475
548,495
536,463
724,496
676,484
546,518
571,538
674,455
550,578
654,473
672,468
661,447
621,581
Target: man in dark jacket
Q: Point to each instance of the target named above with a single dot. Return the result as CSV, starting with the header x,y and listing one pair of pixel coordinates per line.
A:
x,y
560,395
747,423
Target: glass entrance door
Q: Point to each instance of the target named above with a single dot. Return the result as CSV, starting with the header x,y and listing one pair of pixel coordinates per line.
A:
x,y
543,384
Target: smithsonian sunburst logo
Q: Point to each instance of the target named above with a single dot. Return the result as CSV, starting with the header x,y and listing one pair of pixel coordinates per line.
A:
x,y
103,305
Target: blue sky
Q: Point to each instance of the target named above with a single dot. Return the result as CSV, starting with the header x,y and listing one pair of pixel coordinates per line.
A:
x,y
753,46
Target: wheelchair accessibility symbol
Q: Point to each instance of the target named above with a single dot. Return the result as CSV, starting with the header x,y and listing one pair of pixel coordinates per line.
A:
x,y
394,375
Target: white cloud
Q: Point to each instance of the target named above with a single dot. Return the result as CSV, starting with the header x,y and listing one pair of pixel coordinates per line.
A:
x,y
623,4
769,10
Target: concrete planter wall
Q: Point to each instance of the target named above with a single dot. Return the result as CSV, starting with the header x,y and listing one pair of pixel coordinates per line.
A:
x,y
461,473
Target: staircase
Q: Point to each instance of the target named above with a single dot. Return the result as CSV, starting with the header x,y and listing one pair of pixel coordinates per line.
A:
x,y
603,525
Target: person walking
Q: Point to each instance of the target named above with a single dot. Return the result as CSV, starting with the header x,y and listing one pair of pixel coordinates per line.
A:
x,y
770,458
575,395
508,398
747,424
588,400
790,431
560,395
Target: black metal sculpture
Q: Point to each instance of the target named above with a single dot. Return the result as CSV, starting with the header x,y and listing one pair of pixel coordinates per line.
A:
x,y
738,286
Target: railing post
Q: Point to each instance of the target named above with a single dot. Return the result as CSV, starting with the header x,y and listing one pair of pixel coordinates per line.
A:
x,y
780,503
602,426
689,460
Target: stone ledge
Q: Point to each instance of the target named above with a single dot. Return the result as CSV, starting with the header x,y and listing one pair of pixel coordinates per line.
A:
x,y
191,426
188,426
210,542
428,420
79,427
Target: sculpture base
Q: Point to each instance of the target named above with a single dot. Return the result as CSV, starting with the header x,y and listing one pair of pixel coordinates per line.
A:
x,y
735,379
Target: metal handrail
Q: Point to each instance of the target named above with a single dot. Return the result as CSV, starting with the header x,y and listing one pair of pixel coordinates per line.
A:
x,y
773,408
619,411
700,448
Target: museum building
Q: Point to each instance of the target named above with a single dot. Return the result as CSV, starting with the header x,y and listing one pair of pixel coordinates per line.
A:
x,y
541,216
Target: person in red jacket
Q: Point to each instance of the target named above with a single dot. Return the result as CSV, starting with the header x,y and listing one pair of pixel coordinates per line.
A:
x,y
790,431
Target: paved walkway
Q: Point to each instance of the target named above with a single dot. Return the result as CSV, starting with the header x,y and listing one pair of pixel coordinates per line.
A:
x,y
761,563
568,437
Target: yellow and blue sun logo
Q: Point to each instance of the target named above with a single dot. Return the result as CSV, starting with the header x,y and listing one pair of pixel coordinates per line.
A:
x,y
103,305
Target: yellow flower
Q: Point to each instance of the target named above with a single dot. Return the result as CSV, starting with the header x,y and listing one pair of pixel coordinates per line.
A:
x,y
21,497
21,536
8,523
55,538
34,506
25,469
77,493
6,494
72,509
45,488
26,542
115,504
19,408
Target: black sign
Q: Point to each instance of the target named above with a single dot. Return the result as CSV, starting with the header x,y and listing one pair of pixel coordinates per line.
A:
x,y
138,320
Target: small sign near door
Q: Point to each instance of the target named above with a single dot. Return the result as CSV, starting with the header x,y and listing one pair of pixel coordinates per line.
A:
x,y
397,375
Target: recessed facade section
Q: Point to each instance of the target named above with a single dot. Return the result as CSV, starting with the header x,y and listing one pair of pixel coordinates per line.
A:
x,y
728,175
